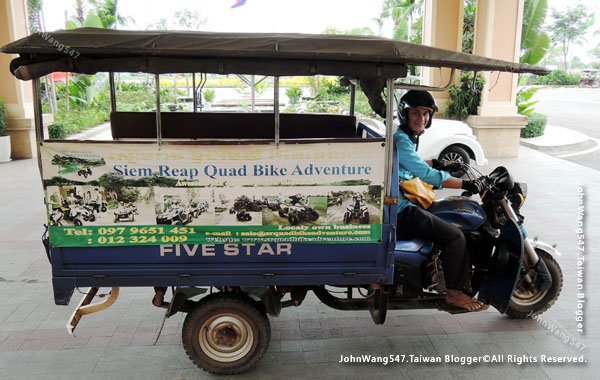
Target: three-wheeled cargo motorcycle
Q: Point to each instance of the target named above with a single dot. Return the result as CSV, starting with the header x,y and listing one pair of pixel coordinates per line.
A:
x,y
254,271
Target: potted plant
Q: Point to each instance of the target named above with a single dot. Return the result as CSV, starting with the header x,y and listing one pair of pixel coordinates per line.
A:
x,y
4,138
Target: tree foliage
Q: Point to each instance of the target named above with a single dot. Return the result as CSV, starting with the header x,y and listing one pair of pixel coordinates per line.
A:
x,y
185,19
534,40
470,11
107,11
569,27
34,9
359,31
407,17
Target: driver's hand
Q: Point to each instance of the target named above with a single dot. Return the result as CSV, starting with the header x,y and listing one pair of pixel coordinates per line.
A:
x,y
437,164
472,186
454,166
449,166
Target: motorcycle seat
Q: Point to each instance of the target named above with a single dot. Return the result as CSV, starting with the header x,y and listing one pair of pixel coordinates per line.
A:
x,y
412,245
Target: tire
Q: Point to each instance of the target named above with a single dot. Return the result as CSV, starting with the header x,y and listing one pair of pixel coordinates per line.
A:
x,y
347,218
365,218
293,219
282,213
92,217
77,222
455,153
103,209
525,303
226,334
313,215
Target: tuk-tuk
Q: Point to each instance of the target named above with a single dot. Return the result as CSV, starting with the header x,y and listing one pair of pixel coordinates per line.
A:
x,y
589,78
229,273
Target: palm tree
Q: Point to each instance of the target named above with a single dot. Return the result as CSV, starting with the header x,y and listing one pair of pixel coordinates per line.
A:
x,y
534,41
107,11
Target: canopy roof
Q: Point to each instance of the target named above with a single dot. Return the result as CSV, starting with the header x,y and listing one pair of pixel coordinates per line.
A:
x,y
91,50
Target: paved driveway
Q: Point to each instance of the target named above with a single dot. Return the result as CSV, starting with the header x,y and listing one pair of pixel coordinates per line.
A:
x,y
308,341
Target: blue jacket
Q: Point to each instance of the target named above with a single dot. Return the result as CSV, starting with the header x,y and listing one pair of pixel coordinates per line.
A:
x,y
410,165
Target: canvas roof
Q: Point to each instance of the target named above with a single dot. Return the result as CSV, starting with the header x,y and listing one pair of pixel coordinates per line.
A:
x,y
91,50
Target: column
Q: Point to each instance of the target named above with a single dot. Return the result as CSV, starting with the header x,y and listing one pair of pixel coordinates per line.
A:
x,y
17,94
498,35
442,28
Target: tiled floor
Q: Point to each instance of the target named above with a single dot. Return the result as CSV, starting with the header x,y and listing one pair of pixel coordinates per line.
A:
x,y
308,341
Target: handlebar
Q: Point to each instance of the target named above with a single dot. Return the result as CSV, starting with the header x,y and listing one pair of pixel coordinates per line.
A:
x,y
497,183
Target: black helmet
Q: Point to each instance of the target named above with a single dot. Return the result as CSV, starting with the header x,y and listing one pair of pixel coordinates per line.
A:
x,y
413,99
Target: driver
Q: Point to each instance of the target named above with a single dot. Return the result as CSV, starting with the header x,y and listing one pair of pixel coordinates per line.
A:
x,y
415,110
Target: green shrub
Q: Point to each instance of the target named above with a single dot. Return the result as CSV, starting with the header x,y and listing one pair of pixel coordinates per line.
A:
x,y
535,126
209,95
330,89
2,119
294,93
330,106
558,78
524,102
56,131
464,100
79,120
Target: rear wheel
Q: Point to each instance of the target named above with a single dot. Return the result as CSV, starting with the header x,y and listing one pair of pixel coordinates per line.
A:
x,y
226,334
527,300
293,219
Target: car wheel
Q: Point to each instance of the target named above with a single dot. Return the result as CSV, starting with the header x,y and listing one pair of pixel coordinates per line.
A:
x,y
455,154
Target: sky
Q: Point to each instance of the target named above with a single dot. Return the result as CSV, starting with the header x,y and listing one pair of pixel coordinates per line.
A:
x,y
292,16
301,16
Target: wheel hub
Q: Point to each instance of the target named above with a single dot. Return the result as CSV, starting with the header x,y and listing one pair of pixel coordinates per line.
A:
x,y
226,337
527,292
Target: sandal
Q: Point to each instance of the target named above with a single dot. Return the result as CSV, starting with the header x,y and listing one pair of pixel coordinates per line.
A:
x,y
462,303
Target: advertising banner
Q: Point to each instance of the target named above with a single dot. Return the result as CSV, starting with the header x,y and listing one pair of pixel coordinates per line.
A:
x,y
141,194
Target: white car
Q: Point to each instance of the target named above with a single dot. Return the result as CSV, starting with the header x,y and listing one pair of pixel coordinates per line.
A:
x,y
449,140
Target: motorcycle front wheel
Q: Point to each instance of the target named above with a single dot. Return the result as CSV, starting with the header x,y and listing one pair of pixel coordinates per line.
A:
x,y
527,299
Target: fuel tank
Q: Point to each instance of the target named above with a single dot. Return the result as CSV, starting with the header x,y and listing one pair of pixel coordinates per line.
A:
x,y
462,212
